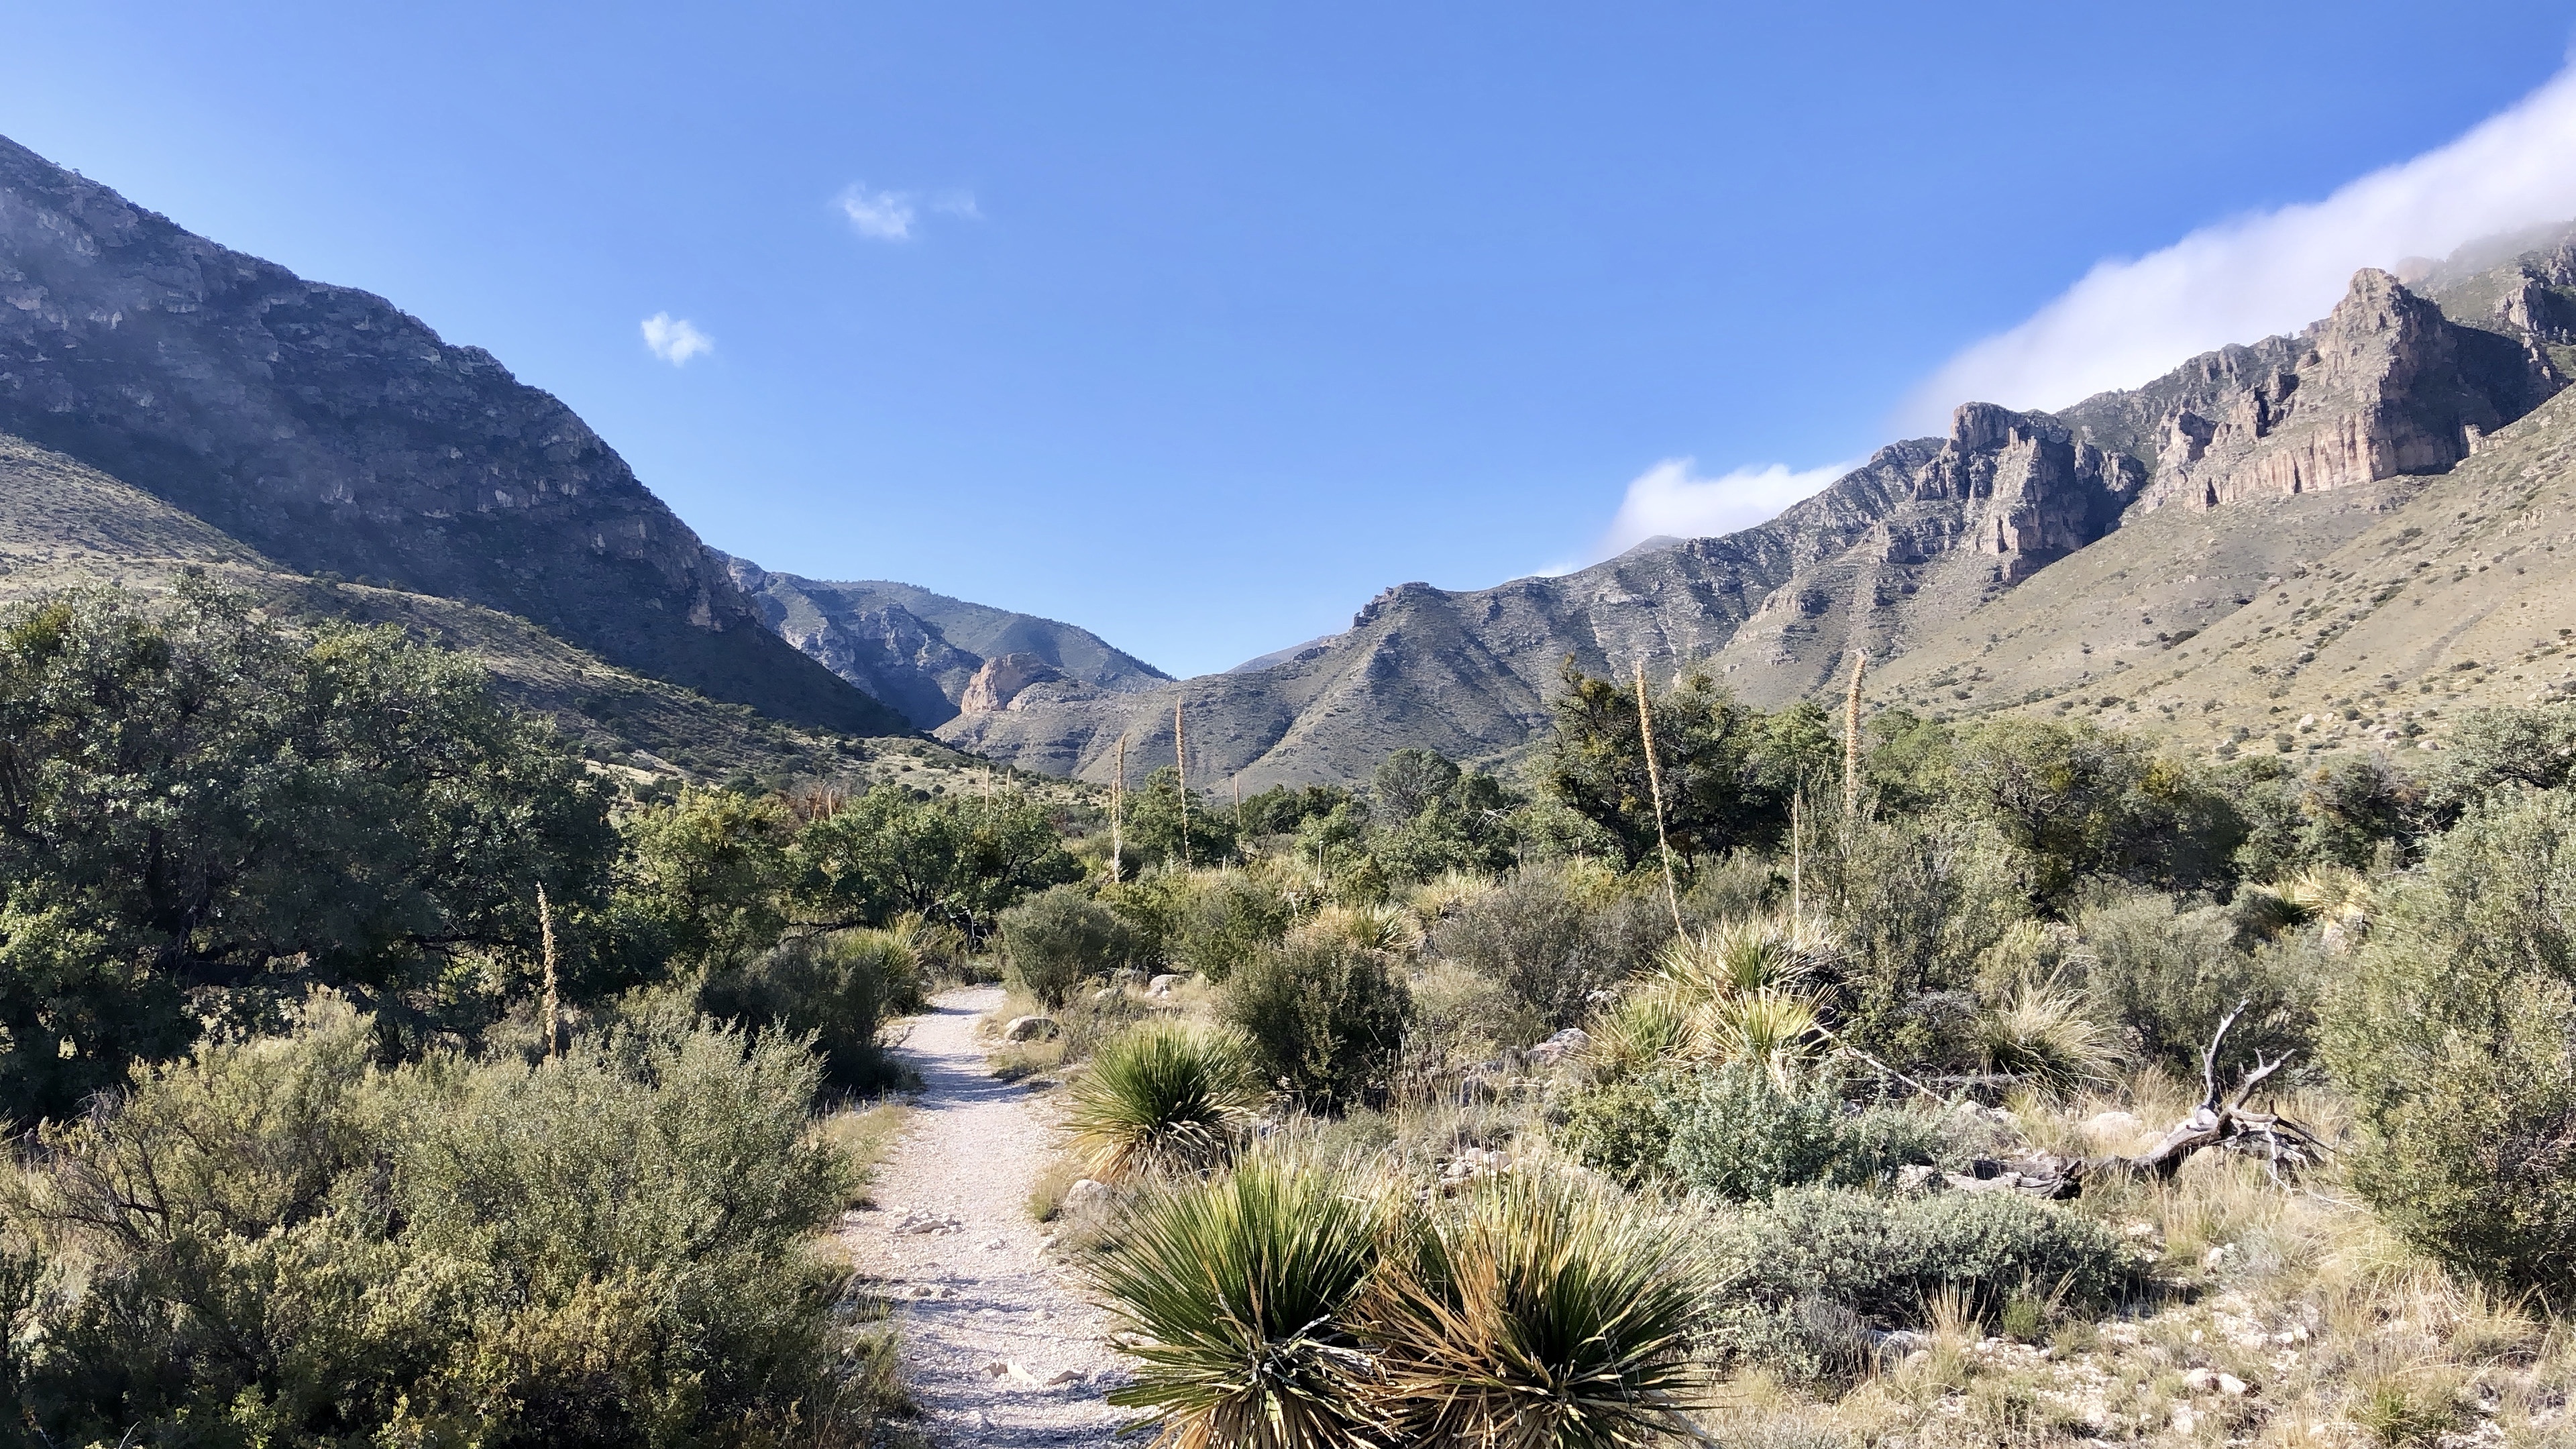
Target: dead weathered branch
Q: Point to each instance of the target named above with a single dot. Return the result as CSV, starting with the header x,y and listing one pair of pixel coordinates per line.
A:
x,y
2225,1124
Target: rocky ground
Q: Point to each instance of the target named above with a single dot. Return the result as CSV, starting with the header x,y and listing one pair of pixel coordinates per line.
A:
x,y
998,1343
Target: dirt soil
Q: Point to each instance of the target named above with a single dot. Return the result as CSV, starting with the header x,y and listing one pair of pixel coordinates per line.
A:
x,y
999,1344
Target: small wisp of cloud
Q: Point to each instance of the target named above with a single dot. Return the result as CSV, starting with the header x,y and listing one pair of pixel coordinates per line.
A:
x,y
675,339
895,216
2129,321
1669,500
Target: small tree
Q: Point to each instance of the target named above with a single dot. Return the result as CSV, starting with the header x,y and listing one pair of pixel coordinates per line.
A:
x,y
1059,937
1705,742
1325,1020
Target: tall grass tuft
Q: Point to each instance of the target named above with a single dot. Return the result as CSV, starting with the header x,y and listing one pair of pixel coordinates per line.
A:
x,y
1749,954
1537,1315
1637,1033
1239,1287
2045,1036
1163,1096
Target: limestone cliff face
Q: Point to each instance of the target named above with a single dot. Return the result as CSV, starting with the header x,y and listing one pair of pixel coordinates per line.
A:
x,y
2386,386
924,653
333,433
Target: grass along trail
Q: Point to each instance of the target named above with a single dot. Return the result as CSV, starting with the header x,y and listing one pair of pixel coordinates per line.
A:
x,y
999,1345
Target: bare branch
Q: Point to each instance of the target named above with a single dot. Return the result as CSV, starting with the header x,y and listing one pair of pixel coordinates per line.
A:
x,y
2209,1058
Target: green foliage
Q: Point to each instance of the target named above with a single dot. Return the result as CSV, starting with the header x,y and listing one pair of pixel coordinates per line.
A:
x,y
2047,1037
1734,1134
1705,746
1279,810
1163,1096
280,1243
1223,923
1325,1020
196,807
2079,801
1536,1313
700,884
1547,937
2342,812
2455,1034
834,989
2165,977
1165,827
2529,747
1437,818
1917,902
1060,937
959,859
1814,1258
1240,1287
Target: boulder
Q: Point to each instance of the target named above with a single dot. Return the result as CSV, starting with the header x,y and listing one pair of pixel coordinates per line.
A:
x,y
1030,1028
1565,1044
1162,985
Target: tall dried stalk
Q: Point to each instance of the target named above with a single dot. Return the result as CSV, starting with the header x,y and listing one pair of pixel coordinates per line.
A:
x,y
1851,739
1117,797
546,935
1655,787
1181,777
1798,855
1238,818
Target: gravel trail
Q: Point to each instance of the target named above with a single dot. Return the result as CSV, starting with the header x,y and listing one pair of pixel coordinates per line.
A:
x,y
952,1242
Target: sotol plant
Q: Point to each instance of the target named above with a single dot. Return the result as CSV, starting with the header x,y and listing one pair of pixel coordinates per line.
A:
x,y
1164,1096
1240,1287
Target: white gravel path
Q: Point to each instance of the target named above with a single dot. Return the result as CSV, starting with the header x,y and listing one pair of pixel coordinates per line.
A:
x,y
974,1285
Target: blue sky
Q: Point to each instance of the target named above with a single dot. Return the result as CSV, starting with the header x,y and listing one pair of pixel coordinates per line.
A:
x,y
1198,325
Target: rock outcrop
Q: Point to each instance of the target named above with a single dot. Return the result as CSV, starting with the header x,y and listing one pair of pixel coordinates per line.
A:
x,y
335,435
923,652
1002,680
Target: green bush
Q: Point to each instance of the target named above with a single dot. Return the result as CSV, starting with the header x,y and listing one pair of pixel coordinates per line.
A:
x,y
2455,1034
1325,1020
1163,1096
2166,977
1733,1134
1241,1287
1796,1270
276,1241
1225,923
1058,938
837,990
1543,936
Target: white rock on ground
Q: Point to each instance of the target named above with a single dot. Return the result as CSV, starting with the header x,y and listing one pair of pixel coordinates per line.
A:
x,y
998,1343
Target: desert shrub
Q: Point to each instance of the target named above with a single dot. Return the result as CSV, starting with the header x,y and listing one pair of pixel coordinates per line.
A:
x,y
2529,747
837,990
1459,1017
2453,1033
2046,1036
1814,1258
1223,923
277,1241
1737,1135
1325,1020
1534,1313
1240,1287
2075,800
1548,938
1163,1096
1916,903
2165,978
1056,939
1639,1032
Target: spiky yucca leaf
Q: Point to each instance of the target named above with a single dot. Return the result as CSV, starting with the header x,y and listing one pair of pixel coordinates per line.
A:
x,y
2044,1034
1382,930
1239,1287
1641,1030
1448,893
1535,1316
1749,954
1770,1028
1163,1096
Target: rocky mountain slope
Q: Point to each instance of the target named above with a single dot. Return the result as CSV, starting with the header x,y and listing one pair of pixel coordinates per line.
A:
x,y
331,434
927,654
2231,457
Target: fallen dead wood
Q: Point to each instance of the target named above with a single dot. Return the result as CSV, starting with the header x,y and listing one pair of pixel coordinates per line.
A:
x,y
2226,1124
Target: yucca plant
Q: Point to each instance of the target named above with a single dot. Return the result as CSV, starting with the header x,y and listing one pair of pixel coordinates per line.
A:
x,y
1239,1287
1387,931
1163,1096
1535,1315
1448,893
1749,954
2043,1034
1773,1029
1638,1032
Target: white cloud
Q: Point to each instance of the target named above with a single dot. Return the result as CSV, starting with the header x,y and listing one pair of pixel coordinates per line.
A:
x,y
675,339
896,215
1667,500
880,215
2240,280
